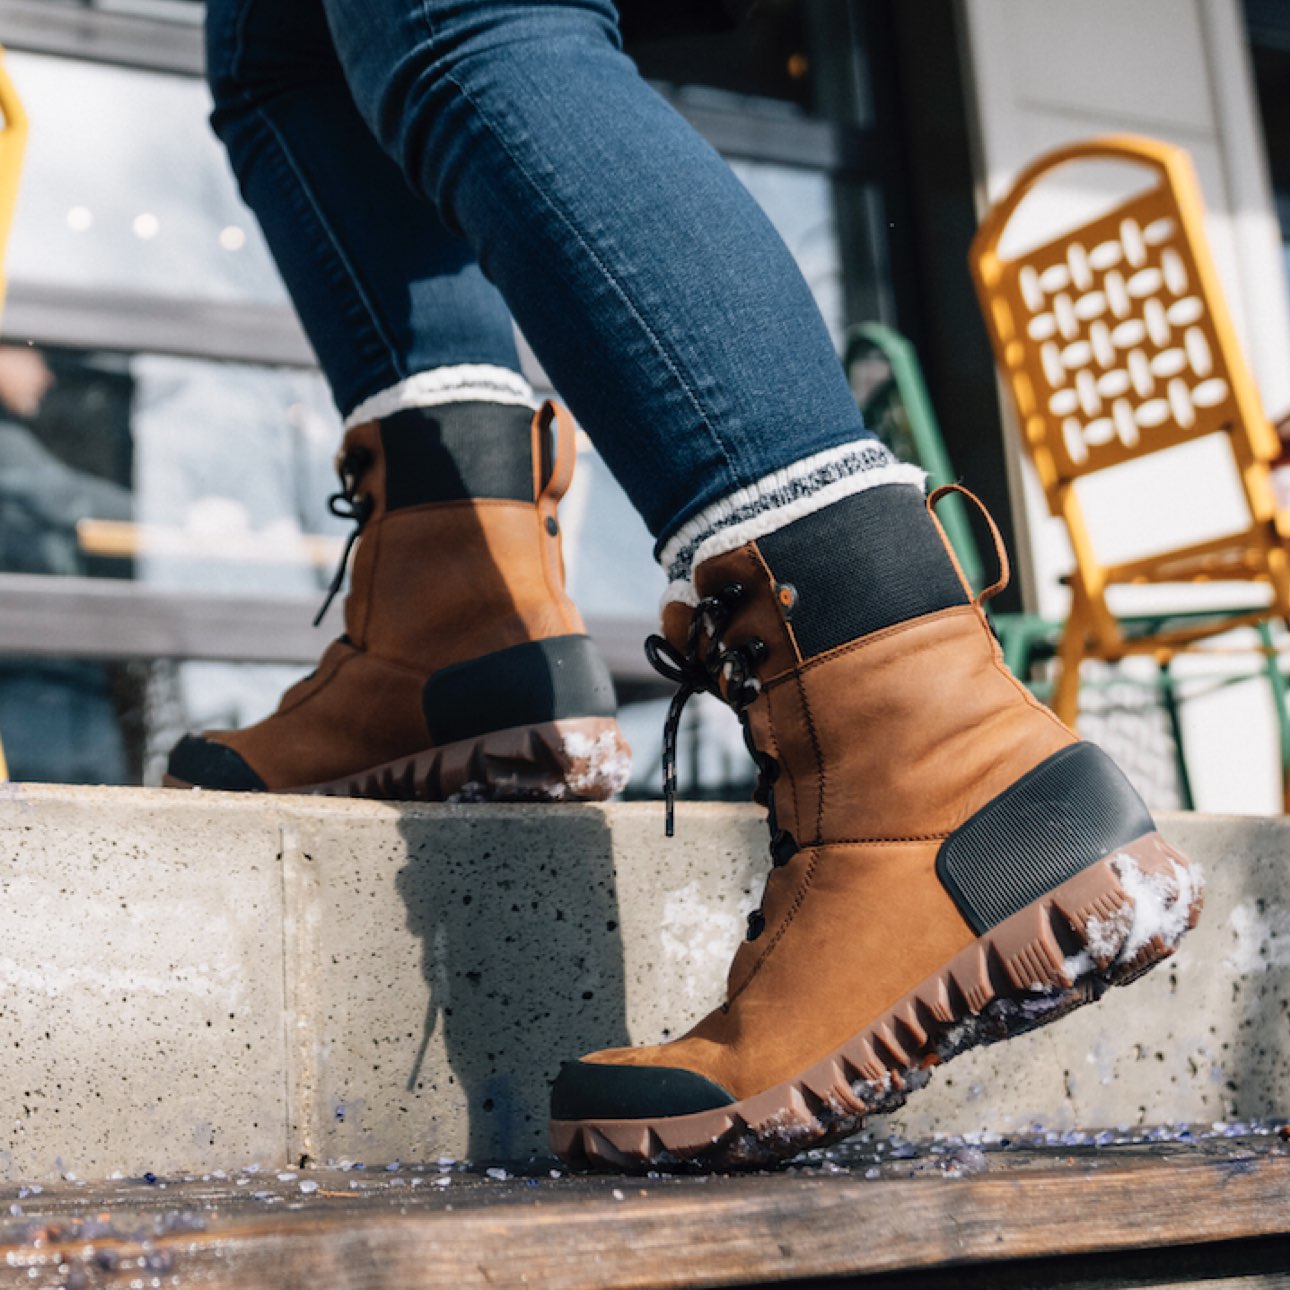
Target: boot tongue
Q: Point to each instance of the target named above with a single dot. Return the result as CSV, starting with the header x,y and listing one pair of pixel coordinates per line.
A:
x,y
677,617
709,578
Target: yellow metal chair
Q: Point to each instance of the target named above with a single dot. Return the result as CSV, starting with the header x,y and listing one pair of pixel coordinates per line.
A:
x,y
13,142
1115,344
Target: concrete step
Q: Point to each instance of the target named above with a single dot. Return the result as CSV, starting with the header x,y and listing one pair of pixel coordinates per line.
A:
x,y
199,981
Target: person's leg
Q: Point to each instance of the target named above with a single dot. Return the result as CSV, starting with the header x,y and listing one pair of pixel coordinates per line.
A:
x,y
950,863
383,290
655,292
464,669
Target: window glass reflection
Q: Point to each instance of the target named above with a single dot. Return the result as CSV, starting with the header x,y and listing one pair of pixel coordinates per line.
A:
x,y
124,187
181,473
215,477
65,453
799,202
71,721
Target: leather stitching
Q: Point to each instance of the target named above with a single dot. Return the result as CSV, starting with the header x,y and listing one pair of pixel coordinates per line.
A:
x,y
852,647
786,922
785,768
364,614
819,756
881,842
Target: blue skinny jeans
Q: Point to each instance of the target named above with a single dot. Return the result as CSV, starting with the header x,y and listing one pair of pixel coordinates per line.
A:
x,y
422,167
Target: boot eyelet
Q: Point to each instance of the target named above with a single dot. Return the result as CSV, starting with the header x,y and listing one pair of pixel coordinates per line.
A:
x,y
756,649
756,925
354,464
731,592
783,847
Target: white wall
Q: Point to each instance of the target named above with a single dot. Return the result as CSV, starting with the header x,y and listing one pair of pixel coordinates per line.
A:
x,y
1048,72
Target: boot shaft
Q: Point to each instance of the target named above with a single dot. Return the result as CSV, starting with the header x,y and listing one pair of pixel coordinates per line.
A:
x,y
460,549
878,703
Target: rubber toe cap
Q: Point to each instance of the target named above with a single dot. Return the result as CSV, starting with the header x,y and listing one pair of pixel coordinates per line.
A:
x,y
205,763
595,1091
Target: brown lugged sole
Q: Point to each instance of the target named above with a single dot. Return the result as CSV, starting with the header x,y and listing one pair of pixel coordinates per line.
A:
x,y
1104,927
576,759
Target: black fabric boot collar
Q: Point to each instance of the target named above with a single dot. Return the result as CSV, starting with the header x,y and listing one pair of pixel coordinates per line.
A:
x,y
457,451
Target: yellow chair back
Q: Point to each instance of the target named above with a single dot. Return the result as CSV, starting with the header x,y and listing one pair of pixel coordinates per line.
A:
x,y
1115,343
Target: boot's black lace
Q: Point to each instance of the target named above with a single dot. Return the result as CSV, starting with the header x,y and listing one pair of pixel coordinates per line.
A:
x,y
705,666
729,673
348,505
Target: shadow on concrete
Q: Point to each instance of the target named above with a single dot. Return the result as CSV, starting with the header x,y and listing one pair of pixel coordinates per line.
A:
x,y
1258,933
523,956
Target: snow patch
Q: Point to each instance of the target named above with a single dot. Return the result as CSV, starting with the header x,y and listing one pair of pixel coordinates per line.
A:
x,y
697,940
1261,938
472,791
602,764
1105,936
1161,900
784,1128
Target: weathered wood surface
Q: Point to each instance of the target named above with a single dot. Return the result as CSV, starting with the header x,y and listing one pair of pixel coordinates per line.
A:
x,y
980,1213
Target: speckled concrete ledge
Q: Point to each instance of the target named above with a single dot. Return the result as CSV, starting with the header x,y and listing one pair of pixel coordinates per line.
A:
x,y
197,981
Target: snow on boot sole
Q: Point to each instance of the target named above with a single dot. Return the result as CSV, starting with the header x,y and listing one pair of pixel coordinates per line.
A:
x,y
572,759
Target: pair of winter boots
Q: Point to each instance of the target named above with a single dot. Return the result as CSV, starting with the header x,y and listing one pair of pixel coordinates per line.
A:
x,y
949,864
465,671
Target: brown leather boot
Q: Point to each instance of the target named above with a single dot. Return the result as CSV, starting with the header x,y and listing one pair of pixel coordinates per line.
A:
x,y
464,671
951,866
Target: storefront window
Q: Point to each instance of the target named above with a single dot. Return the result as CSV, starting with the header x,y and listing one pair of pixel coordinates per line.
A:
x,y
124,187
177,472
141,461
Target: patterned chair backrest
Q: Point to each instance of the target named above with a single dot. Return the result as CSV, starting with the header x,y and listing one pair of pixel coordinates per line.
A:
x,y
1114,338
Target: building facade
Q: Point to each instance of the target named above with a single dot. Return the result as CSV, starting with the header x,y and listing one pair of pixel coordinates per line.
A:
x,y
166,441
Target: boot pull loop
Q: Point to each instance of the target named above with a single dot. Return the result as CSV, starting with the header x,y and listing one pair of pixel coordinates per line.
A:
x,y
1000,551
550,485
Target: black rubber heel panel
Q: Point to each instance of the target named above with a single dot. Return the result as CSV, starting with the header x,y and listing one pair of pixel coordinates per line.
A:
x,y
1068,812
546,680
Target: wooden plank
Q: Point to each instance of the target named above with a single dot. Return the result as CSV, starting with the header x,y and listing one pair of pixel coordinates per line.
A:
x,y
389,1232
